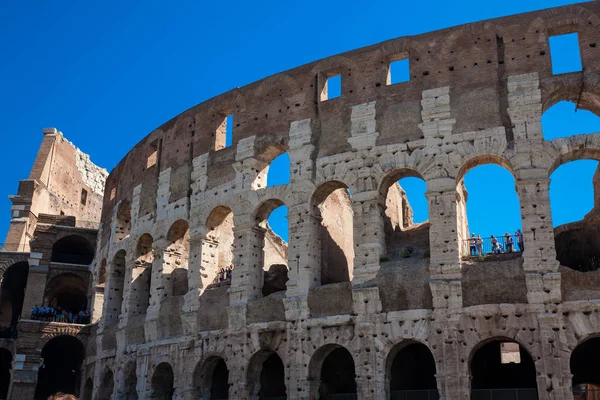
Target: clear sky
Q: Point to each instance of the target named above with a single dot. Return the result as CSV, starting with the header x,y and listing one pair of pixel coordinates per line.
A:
x,y
107,73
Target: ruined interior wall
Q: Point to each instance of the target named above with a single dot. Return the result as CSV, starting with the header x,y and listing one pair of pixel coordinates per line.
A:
x,y
275,250
394,209
337,246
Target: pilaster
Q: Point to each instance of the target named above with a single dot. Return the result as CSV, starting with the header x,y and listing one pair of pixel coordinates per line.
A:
x,y
369,236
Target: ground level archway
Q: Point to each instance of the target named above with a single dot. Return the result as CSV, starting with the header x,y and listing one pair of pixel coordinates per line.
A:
x,y
266,376
586,370
503,369
332,373
211,379
61,367
411,372
162,382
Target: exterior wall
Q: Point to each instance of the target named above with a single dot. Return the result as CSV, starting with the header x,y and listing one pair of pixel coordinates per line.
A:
x,y
476,96
59,175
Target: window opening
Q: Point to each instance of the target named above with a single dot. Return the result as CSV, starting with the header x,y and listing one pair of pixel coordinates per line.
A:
x,y
564,53
332,88
399,71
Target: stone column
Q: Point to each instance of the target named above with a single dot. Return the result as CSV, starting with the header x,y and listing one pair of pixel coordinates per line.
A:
x,y
444,268
97,303
247,277
554,377
304,260
191,301
369,236
157,290
36,284
23,375
525,106
540,264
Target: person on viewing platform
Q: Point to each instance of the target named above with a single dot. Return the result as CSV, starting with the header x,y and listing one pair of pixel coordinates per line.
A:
x,y
519,236
479,244
228,272
496,246
508,242
473,244
221,274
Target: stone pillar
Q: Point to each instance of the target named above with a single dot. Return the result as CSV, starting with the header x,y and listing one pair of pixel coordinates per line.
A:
x,y
369,235
23,375
157,290
525,106
554,377
191,301
97,303
444,268
247,277
304,260
540,264
36,284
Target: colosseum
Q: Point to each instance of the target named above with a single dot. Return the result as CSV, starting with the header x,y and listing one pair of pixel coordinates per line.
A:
x,y
193,296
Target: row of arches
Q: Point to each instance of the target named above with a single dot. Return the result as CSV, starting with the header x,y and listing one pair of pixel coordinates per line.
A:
x,y
499,368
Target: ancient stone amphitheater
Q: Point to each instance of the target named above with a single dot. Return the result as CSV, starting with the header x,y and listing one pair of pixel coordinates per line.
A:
x,y
342,311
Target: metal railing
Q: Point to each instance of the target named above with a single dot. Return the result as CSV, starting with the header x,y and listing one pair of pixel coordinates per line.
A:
x,y
504,394
431,394
483,246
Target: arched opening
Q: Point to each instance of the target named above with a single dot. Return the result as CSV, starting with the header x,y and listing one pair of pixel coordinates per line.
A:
x,y
332,373
67,292
275,248
88,390
162,382
564,119
489,212
176,258
279,170
575,206
211,379
114,300
12,293
411,372
122,221
73,249
586,370
130,381
106,386
141,276
5,367
266,376
405,220
61,367
217,246
332,205
502,369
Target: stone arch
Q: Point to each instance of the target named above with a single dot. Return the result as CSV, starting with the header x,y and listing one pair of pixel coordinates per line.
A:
x,y
162,382
584,367
275,249
411,371
67,291
331,372
12,293
266,366
122,218
61,370
401,233
73,249
141,276
331,205
107,384
568,88
484,246
579,147
217,245
116,283
5,371
176,258
211,378
500,363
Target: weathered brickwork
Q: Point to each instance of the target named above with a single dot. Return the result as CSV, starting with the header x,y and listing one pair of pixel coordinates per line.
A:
x,y
345,296
476,95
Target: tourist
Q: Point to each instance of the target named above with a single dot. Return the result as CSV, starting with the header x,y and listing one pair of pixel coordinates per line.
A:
x,y
479,243
508,242
496,246
473,244
519,236
221,274
228,272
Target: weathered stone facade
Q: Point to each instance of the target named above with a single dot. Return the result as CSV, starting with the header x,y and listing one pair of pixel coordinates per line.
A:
x,y
181,206
475,96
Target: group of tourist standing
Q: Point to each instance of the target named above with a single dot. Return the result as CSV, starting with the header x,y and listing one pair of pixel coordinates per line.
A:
x,y
503,244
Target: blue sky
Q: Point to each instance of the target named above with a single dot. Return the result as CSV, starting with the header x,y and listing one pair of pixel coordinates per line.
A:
x,y
107,73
